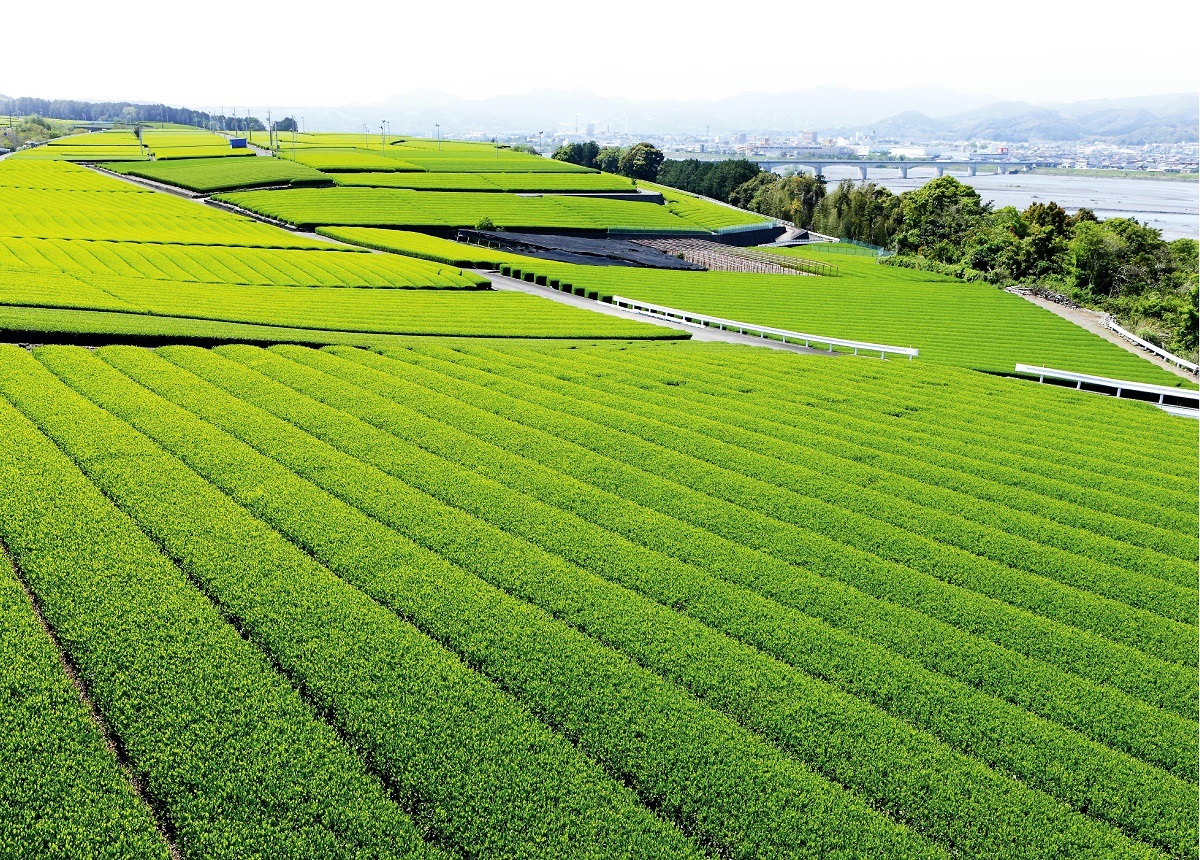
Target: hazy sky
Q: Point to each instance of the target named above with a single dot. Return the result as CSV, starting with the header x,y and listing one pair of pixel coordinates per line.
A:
x,y
258,53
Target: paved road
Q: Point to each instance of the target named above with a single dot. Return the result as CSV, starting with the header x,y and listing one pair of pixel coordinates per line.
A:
x,y
1093,321
698,333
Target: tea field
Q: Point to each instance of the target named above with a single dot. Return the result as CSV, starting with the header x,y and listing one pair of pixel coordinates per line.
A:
x,y
315,545
74,240
951,322
205,175
308,208
624,609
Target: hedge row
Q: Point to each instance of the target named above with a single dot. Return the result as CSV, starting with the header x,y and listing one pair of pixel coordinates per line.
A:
x,y
1160,585
61,790
476,772
1084,653
428,419
228,753
835,741
719,782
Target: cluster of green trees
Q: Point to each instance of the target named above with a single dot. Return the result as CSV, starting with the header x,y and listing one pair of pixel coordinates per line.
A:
x,y
640,161
124,112
716,179
16,132
1117,265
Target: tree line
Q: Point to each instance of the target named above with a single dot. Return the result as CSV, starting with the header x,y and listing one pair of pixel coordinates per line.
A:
x,y
1117,265
640,161
124,112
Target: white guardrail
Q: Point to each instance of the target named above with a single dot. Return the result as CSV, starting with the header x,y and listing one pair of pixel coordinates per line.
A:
x,y
1187,398
705,321
1189,366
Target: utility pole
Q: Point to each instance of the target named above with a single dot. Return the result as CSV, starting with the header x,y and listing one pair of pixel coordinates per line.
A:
x,y
382,139
438,128
270,132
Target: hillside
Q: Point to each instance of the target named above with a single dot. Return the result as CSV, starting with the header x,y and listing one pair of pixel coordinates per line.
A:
x,y
341,544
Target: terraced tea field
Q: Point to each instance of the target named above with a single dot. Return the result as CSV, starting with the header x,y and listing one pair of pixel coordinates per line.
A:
x,y
951,322
220,174
315,546
307,208
78,260
521,543
544,182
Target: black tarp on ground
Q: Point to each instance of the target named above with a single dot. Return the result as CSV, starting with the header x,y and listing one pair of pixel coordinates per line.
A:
x,y
576,249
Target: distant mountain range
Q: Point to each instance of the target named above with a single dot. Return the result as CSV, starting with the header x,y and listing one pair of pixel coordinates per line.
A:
x,y
1158,119
918,114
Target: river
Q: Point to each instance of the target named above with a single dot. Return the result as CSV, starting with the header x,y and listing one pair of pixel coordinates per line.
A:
x,y
1170,206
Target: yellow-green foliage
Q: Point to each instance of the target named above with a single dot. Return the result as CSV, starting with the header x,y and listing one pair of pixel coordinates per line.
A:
x,y
711,216
398,207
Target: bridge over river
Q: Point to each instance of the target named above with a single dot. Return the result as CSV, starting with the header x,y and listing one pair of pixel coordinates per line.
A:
x,y
818,165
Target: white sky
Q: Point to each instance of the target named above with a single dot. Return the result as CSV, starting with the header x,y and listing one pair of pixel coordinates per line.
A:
x,y
303,53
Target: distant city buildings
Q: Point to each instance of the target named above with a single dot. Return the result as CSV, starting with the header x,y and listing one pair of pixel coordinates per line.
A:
x,y
750,143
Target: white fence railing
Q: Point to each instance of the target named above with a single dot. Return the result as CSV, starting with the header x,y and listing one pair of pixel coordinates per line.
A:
x,y
1185,398
705,321
1189,366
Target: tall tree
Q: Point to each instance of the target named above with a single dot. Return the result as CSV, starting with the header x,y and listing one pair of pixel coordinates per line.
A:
x,y
937,216
641,161
609,159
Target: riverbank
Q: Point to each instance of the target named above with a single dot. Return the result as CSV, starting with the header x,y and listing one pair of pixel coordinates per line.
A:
x,y
1097,173
1170,206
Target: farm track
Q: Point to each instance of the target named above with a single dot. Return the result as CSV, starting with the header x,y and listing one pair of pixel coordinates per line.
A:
x,y
1093,322
701,334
